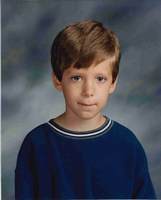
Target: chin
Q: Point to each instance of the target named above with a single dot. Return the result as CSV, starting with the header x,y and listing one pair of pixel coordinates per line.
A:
x,y
86,115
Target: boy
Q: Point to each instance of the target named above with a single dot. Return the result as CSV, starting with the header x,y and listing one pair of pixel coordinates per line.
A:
x,y
81,153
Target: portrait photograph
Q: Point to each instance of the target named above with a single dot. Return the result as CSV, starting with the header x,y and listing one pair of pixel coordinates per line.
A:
x,y
81,99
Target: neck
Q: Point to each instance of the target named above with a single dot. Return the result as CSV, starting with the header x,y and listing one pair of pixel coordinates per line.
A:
x,y
76,124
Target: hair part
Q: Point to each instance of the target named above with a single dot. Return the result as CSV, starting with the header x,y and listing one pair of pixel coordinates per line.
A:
x,y
82,44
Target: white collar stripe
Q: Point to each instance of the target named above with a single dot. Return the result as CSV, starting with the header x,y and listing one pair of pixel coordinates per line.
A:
x,y
82,135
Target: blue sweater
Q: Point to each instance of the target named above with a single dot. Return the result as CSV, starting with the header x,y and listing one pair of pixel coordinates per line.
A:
x,y
108,162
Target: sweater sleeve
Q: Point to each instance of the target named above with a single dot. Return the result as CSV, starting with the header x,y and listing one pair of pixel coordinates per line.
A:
x,y
143,187
24,181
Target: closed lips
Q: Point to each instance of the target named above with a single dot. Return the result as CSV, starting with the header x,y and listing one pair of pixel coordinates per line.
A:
x,y
84,104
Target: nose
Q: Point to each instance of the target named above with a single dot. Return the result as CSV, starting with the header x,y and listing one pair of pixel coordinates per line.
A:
x,y
88,89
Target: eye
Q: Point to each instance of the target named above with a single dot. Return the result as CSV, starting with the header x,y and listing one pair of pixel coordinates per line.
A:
x,y
75,78
101,79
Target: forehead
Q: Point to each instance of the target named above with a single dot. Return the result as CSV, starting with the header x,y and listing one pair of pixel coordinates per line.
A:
x,y
103,67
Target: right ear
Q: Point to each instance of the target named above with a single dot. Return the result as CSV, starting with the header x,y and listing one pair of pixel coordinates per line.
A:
x,y
56,82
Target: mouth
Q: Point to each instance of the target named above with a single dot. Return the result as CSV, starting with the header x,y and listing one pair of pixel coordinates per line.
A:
x,y
87,105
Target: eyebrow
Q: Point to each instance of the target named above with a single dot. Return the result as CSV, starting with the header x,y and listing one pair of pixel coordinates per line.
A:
x,y
81,72
75,71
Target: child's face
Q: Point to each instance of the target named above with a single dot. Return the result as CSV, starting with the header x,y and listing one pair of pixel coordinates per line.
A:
x,y
86,90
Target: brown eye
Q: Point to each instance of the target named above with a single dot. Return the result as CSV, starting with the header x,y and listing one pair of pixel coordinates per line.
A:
x,y
75,78
101,79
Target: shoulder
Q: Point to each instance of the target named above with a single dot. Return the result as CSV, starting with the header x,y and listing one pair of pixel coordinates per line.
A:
x,y
123,132
36,135
128,138
34,141
33,145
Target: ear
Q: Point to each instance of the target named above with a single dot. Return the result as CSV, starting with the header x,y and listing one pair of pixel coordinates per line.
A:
x,y
113,86
56,82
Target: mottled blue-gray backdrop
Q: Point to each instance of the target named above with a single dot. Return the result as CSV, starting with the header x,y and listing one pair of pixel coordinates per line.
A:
x,y
28,97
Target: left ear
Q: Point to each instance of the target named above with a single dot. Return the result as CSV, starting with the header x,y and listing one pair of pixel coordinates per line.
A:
x,y
113,86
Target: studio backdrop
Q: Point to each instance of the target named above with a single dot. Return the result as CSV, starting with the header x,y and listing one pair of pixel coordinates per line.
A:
x,y
28,96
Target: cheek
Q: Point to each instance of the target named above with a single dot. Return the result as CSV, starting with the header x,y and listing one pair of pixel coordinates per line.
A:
x,y
70,93
103,95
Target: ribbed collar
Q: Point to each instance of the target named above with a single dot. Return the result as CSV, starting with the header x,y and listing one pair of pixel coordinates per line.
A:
x,y
66,132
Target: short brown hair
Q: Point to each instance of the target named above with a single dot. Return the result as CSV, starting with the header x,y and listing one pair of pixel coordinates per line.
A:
x,y
83,44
